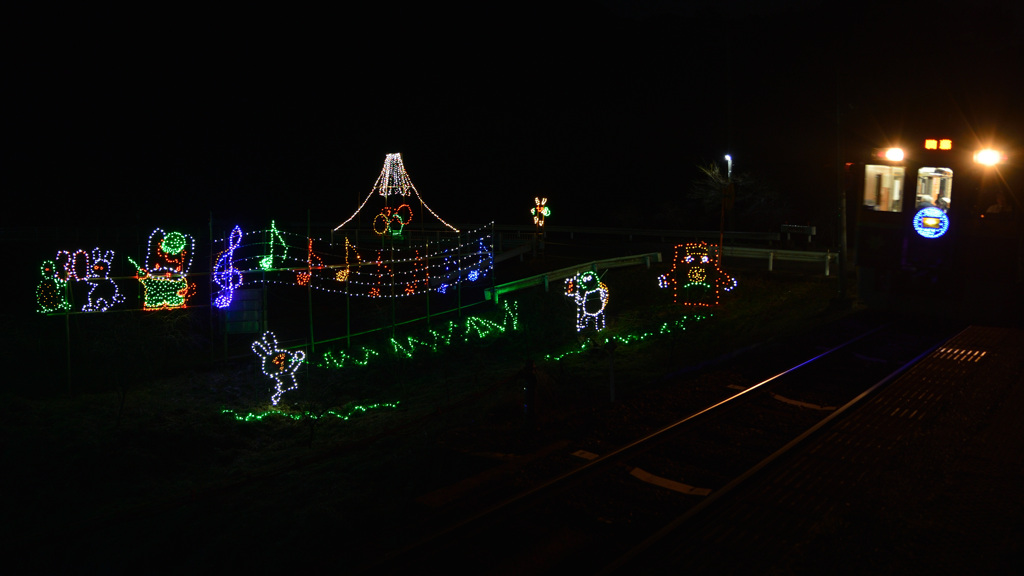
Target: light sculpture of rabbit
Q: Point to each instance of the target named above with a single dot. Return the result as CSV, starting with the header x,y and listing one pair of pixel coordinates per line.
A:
x,y
278,364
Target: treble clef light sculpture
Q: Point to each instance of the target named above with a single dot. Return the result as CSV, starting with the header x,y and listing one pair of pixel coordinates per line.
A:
x,y
225,274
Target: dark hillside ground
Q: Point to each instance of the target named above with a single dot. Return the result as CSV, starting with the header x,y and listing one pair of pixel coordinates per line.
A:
x,y
173,482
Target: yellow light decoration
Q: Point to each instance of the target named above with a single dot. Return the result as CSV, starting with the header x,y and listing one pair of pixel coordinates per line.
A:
x,y
342,274
695,278
393,220
540,211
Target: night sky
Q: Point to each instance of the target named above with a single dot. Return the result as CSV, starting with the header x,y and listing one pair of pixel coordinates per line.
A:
x,y
140,118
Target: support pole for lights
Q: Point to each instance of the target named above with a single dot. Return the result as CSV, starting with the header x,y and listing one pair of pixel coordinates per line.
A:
x,y
725,191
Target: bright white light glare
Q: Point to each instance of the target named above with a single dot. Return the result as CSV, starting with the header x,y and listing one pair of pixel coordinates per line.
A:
x,y
894,154
988,157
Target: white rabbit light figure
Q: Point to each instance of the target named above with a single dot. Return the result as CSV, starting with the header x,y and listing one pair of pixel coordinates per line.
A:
x,y
103,292
278,364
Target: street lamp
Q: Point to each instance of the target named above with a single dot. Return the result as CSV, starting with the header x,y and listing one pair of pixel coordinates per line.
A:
x,y
727,191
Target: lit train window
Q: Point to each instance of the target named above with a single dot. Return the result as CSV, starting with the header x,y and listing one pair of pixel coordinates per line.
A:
x,y
883,188
934,188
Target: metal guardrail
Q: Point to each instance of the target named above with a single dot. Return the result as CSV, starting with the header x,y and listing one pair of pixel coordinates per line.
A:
x,y
792,255
766,237
495,292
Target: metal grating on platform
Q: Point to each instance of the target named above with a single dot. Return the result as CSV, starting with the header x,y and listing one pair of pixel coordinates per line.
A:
x,y
923,478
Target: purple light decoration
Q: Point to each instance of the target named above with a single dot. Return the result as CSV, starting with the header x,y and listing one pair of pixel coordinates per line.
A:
x,y
225,274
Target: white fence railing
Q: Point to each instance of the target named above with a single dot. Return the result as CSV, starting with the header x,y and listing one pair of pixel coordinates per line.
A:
x,y
772,255
495,292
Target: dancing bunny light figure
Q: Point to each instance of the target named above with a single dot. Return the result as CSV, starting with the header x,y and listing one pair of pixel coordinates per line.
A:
x,y
278,364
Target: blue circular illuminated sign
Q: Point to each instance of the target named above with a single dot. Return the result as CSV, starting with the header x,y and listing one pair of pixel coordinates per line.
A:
x,y
931,222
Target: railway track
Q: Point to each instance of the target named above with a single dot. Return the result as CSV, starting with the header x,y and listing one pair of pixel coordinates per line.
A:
x,y
597,516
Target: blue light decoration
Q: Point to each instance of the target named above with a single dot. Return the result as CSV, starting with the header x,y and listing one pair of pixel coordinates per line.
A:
x,y
591,296
278,364
931,222
695,278
225,274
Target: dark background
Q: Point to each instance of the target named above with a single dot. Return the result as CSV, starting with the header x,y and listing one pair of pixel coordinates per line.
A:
x,y
166,115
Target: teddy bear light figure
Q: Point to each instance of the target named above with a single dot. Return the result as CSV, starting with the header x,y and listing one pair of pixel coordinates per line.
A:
x,y
695,278
278,364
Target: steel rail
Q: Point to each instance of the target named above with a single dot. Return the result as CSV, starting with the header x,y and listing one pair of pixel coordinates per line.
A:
x,y
706,503
600,460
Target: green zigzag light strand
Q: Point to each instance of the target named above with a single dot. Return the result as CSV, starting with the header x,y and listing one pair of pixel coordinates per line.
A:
x,y
666,328
483,328
251,417
480,327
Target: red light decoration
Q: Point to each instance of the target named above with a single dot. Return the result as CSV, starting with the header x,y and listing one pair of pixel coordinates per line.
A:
x,y
695,278
313,263
393,220
540,211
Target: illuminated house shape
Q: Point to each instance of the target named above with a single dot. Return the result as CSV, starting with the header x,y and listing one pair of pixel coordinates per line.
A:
x,y
396,213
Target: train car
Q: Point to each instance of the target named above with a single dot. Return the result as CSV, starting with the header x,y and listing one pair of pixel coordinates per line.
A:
x,y
938,230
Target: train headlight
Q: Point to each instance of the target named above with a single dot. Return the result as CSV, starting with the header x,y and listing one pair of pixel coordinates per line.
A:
x,y
988,157
888,154
894,154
